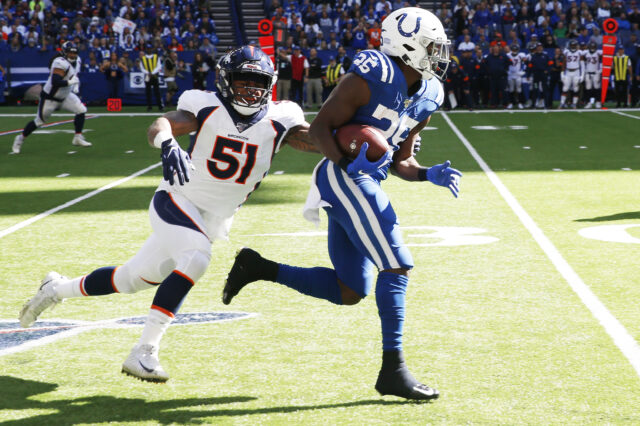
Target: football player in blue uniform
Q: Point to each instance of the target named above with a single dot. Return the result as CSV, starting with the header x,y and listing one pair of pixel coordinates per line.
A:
x,y
395,90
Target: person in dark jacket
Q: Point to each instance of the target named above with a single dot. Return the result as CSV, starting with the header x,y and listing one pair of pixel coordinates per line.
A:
x,y
540,69
471,66
497,65
555,75
457,87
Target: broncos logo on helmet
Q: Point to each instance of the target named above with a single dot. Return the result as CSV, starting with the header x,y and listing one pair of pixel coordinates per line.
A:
x,y
573,45
69,51
245,79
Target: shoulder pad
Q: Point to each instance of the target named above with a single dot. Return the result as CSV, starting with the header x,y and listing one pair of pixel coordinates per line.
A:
x,y
194,100
373,66
61,63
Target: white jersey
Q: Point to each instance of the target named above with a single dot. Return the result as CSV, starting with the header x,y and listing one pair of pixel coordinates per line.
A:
x,y
516,69
573,60
70,70
593,61
231,155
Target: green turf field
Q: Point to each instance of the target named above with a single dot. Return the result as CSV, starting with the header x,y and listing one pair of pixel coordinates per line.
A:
x,y
522,307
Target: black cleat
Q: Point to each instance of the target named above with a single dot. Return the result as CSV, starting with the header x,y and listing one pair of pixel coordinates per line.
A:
x,y
395,379
401,383
245,269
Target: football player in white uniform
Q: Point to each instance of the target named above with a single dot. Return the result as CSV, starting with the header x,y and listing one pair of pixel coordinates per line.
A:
x,y
592,80
239,131
572,75
60,91
515,75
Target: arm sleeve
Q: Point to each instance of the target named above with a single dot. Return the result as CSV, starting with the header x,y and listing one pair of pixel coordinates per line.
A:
x,y
58,81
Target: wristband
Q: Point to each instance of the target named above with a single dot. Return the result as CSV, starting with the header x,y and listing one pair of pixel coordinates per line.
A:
x,y
162,136
422,173
344,163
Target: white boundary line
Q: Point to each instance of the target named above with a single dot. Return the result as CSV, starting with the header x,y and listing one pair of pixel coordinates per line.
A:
x,y
36,218
612,326
626,115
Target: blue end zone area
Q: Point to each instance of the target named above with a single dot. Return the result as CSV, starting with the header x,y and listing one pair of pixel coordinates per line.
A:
x,y
11,334
15,339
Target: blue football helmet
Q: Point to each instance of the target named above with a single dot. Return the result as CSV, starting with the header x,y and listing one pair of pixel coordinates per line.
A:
x,y
70,51
252,65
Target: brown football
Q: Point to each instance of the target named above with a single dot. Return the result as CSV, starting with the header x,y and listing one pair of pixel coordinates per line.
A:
x,y
351,136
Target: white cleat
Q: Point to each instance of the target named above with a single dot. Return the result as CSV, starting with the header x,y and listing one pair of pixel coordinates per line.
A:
x,y
520,106
79,140
143,363
44,298
588,106
510,106
17,144
598,105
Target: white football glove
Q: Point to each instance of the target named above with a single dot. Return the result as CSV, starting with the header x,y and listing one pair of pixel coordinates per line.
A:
x,y
74,81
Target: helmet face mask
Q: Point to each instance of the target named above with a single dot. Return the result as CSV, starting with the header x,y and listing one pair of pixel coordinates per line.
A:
x,y
245,79
573,45
70,52
593,47
416,36
248,92
515,48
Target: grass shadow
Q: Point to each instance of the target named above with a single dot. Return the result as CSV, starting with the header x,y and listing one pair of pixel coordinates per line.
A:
x,y
17,394
617,216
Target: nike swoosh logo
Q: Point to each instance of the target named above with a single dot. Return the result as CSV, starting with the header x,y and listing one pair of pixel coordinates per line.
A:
x,y
422,391
148,370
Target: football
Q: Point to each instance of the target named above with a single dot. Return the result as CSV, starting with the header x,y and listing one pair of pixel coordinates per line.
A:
x,y
351,136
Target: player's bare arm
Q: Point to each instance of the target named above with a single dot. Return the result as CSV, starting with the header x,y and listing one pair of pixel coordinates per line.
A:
x,y
298,138
404,163
351,93
177,123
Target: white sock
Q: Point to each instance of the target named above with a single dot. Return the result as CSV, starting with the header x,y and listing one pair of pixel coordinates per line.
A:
x,y
154,327
70,288
575,100
563,99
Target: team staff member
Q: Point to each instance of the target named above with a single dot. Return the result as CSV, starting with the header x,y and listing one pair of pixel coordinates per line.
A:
x,y
622,71
314,87
497,65
332,75
151,67
540,67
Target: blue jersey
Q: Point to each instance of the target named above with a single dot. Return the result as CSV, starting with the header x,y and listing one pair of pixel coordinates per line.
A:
x,y
390,109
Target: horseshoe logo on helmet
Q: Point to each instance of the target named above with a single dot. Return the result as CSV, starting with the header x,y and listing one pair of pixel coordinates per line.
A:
x,y
410,33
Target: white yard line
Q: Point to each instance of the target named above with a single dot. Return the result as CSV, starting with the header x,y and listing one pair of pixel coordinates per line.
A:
x,y
36,218
612,326
626,115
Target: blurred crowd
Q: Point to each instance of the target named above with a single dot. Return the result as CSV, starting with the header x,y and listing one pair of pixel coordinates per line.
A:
x,y
313,33
167,26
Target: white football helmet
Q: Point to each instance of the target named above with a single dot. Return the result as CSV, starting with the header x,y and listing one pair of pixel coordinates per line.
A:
x,y
417,37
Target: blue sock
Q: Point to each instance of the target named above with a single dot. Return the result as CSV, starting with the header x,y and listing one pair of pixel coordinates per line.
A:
x,y
390,292
171,293
317,282
100,282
